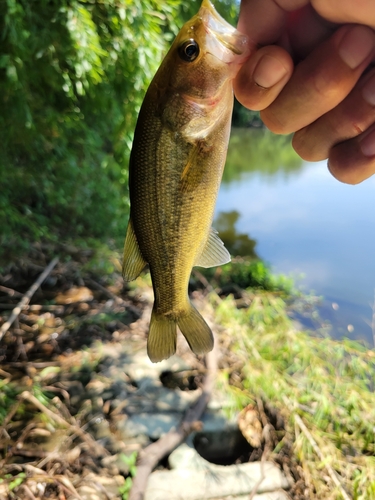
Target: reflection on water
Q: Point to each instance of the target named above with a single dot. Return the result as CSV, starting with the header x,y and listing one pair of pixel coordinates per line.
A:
x,y
236,243
259,152
304,222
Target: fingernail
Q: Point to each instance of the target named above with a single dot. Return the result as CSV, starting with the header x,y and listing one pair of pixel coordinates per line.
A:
x,y
367,144
268,72
368,92
356,45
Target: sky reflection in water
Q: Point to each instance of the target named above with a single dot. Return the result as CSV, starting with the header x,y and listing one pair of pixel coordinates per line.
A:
x,y
306,222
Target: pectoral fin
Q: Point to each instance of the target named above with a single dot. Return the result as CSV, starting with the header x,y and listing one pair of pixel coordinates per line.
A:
x,y
214,253
134,262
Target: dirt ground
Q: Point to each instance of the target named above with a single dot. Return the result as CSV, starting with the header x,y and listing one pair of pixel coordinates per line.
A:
x,y
49,443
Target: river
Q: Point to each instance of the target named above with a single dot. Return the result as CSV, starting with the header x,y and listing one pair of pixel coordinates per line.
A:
x,y
301,221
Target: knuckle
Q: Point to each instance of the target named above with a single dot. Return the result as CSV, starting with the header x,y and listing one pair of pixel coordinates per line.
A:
x,y
326,86
272,122
307,148
347,172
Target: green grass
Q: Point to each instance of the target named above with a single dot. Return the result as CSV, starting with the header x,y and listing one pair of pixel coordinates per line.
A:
x,y
328,383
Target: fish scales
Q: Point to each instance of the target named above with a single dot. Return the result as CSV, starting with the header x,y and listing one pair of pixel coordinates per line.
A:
x,y
176,164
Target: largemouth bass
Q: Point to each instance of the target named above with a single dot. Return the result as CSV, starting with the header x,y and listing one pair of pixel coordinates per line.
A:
x,y
177,159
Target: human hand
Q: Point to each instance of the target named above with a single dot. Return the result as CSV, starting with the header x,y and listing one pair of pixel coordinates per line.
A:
x,y
312,75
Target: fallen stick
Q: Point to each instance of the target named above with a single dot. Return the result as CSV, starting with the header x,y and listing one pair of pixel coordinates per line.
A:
x,y
112,296
58,309
27,297
10,291
74,428
150,456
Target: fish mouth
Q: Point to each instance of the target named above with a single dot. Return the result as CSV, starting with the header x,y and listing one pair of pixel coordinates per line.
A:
x,y
226,43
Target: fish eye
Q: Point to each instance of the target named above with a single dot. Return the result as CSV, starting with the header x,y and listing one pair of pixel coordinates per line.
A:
x,y
189,50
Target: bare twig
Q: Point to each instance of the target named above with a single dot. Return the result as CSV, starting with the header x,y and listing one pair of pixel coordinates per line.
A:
x,y
28,492
254,491
118,300
74,428
10,415
152,454
26,298
58,309
268,431
10,291
31,364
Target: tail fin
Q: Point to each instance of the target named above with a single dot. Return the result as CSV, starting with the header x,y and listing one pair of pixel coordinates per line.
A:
x,y
161,342
196,331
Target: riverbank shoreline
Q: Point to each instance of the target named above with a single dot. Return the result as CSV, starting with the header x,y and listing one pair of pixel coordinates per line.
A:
x,y
305,393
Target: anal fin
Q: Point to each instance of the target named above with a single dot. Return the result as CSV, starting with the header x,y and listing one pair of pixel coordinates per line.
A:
x,y
214,253
133,263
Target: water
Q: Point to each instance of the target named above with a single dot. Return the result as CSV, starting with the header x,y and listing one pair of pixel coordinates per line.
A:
x,y
298,218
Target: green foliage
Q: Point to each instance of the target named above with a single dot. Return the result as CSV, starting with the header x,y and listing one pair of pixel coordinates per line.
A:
x,y
13,481
130,461
228,9
8,397
72,78
248,274
243,117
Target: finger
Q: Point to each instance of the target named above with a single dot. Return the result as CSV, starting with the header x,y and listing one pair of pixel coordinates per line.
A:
x,y
347,11
348,120
353,161
262,77
264,20
306,30
322,80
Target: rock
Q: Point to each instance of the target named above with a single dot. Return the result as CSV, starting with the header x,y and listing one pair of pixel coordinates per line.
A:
x,y
272,495
193,478
152,425
185,457
141,369
216,482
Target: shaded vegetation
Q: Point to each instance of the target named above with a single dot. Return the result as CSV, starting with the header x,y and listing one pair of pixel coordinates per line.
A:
x,y
72,78
259,152
245,273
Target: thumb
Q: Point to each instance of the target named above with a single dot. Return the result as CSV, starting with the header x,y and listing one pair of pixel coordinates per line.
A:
x,y
264,74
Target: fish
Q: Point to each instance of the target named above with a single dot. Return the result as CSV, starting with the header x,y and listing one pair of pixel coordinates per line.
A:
x,y
175,169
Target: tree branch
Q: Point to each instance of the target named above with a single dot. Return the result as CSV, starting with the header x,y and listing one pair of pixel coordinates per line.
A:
x,y
27,297
152,454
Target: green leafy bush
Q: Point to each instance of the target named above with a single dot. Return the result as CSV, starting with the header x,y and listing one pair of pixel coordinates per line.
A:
x,y
248,274
72,78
